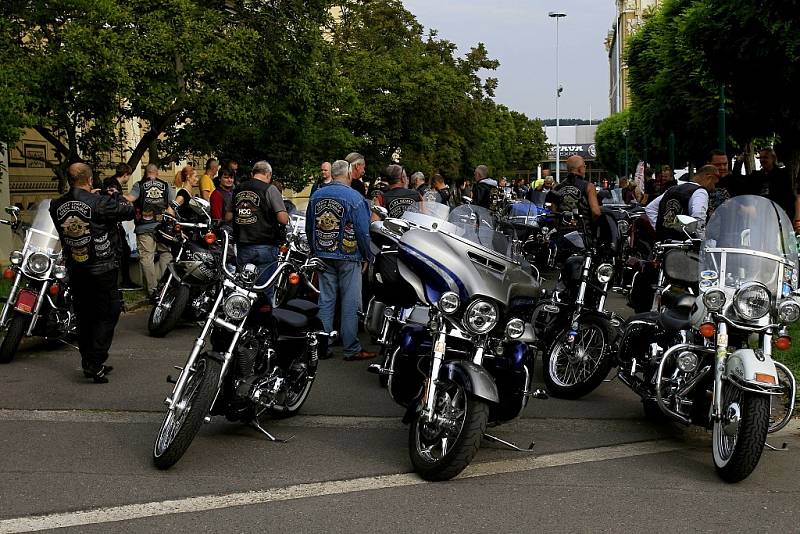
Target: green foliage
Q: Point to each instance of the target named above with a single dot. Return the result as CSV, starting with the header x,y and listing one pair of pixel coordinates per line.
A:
x,y
610,142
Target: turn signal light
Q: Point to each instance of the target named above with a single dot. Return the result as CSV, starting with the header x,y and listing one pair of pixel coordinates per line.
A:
x,y
783,343
765,378
210,238
294,279
54,289
284,249
708,329
8,274
178,228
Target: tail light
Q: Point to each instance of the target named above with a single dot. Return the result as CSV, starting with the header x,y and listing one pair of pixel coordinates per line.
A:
x,y
284,249
783,343
210,238
54,289
708,329
294,279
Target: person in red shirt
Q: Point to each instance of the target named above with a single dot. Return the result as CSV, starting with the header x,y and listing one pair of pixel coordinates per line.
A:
x,y
222,198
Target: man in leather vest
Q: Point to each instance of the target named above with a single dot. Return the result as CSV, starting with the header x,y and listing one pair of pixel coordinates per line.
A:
x,y
259,221
445,196
151,197
398,197
87,225
485,189
116,184
690,198
574,192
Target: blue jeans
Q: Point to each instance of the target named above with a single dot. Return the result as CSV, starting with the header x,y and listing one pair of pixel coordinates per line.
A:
x,y
343,279
264,257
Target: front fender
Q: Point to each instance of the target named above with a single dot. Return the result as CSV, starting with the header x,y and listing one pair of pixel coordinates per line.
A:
x,y
743,366
473,378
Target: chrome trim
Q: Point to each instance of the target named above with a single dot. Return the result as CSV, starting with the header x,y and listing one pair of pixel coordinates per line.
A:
x,y
754,387
660,374
750,253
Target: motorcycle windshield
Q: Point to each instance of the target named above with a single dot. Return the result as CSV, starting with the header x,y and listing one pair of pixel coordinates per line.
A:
x,y
426,213
478,225
749,239
42,234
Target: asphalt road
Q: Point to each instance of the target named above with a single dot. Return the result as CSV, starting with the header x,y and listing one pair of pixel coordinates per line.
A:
x,y
77,455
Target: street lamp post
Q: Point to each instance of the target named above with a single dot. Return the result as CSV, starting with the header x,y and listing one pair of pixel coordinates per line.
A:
x,y
557,15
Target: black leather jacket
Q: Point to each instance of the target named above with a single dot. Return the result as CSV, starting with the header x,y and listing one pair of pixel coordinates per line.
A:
x,y
87,225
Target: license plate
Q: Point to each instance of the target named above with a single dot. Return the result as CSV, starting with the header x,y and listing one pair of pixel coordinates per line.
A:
x,y
26,300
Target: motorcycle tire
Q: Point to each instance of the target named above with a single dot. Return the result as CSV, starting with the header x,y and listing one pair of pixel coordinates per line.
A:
x,y
162,321
293,404
735,457
175,435
467,439
590,377
16,331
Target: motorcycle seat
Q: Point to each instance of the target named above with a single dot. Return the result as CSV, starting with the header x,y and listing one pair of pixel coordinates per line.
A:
x,y
675,319
301,306
675,299
290,320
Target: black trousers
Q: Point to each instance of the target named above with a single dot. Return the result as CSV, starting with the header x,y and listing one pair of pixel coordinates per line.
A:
x,y
98,304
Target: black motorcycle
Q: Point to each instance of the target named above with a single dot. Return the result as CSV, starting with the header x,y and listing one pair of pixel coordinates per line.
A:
x,y
188,286
39,303
262,361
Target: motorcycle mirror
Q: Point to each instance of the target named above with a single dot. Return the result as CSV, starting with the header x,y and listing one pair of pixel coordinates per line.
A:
x,y
12,210
466,200
199,206
380,211
689,224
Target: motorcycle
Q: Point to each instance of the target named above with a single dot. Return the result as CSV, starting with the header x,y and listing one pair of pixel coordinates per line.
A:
x,y
262,361
707,360
469,365
188,286
39,303
294,251
573,328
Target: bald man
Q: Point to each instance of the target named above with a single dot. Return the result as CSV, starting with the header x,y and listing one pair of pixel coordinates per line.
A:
x,y
574,192
87,226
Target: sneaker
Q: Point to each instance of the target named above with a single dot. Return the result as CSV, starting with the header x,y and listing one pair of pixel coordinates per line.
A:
x,y
363,355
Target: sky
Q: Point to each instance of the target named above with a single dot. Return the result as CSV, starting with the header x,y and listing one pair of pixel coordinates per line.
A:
x,y
522,37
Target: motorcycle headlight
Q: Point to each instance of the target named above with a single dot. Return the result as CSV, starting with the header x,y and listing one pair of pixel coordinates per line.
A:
x,y
37,263
714,300
236,307
59,272
449,302
302,244
515,328
16,257
752,301
480,317
605,272
789,311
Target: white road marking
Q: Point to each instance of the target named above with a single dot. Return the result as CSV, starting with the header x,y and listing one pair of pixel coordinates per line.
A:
x,y
320,489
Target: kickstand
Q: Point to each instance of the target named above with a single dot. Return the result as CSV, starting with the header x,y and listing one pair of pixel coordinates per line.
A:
x,y
784,447
255,424
508,444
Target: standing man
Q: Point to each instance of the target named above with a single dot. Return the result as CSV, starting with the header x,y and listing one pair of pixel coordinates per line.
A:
x,y
358,167
691,198
325,176
398,197
725,187
485,189
116,184
151,197
87,224
574,192
233,166
222,197
259,222
774,183
207,180
337,226
445,196
420,182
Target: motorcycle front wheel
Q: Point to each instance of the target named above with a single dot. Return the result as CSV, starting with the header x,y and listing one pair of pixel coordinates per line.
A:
x,y
166,312
183,421
442,449
14,334
739,436
574,368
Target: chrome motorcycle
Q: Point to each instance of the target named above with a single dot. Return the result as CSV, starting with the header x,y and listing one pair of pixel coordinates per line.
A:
x,y
707,360
469,365
262,361
294,251
39,303
190,282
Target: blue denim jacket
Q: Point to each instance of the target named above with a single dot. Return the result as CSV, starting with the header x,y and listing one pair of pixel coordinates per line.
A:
x,y
337,223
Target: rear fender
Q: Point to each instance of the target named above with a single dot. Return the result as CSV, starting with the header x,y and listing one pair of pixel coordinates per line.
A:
x,y
473,378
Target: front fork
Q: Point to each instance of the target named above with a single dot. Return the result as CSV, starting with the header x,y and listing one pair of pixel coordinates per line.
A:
x,y
12,299
574,325
169,278
429,397
721,359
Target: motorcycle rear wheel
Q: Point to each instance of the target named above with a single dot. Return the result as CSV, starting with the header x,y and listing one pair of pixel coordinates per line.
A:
x,y
571,373
14,334
438,452
736,456
182,422
166,313
295,398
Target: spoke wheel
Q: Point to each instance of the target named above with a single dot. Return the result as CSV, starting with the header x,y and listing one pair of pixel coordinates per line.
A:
x,y
183,421
166,313
573,368
298,389
442,448
13,337
739,435
782,406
